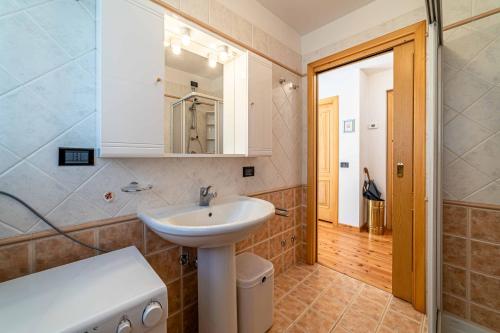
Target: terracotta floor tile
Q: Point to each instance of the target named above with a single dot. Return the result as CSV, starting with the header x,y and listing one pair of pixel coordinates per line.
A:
x,y
400,323
312,321
374,294
290,307
280,323
315,281
278,293
406,309
340,294
368,308
304,293
309,268
297,273
285,282
329,306
355,322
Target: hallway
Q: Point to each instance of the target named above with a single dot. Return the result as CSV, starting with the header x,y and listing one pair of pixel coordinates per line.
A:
x,y
357,254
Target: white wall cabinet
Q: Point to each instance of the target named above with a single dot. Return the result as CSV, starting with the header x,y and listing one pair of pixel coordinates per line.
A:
x,y
260,110
130,87
130,70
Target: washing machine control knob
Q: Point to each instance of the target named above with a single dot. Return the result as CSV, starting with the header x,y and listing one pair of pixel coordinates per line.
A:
x,y
125,326
152,314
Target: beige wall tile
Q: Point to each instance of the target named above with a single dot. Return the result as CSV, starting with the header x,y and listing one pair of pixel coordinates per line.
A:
x,y
485,225
455,220
14,261
485,258
454,305
196,8
485,317
242,30
260,40
485,291
121,235
454,280
59,250
221,18
454,250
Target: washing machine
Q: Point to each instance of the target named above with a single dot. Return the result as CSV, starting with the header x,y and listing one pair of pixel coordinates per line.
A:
x,y
117,292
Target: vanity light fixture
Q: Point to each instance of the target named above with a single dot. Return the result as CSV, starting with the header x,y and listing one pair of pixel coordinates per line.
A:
x,y
212,59
223,53
186,36
175,45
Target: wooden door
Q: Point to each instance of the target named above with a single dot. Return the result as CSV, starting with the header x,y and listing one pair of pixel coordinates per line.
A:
x,y
390,140
402,172
328,159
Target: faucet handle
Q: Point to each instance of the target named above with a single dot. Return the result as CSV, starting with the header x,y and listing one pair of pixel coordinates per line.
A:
x,y
204,190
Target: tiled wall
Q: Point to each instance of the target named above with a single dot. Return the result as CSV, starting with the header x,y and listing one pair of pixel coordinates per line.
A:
x,y
47,100
471,85
471,264
42,252
471,241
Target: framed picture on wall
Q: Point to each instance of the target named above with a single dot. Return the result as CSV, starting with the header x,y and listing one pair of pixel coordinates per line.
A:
x,y
349,126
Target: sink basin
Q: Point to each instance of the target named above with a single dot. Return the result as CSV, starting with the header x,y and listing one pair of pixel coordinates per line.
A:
x,y
226,222
213,230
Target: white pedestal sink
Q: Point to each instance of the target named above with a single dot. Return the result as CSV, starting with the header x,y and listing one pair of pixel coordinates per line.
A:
x,y
213,230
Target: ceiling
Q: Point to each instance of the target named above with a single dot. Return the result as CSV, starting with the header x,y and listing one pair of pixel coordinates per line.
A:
x,y
308,15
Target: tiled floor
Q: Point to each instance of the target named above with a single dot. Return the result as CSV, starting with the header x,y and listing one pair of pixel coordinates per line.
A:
x,y
318,299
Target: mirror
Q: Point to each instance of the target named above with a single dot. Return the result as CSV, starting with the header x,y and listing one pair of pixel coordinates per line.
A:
x,y
200,71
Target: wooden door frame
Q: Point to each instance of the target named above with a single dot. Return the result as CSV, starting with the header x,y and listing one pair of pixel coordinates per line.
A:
x,y
417,34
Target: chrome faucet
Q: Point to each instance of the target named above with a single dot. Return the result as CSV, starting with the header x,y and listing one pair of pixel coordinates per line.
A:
x,y
206,196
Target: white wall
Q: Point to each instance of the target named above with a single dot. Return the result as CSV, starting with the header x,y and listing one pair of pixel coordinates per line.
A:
x,y
344,82
374,141
373,151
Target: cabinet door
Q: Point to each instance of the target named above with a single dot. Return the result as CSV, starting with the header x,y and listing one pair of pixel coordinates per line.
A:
x,y
130,64
260,111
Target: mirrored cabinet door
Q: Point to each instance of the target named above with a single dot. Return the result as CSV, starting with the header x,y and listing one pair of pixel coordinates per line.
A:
x,y
170,88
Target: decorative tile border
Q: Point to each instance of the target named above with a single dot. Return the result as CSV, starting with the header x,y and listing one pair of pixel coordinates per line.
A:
x,y
280,239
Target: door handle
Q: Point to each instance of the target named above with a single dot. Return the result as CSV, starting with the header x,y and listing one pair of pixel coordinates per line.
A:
x,y
400,169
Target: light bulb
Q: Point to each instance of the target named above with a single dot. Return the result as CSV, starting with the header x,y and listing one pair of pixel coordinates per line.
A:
x,y
223,53
212,60
175,45
186,36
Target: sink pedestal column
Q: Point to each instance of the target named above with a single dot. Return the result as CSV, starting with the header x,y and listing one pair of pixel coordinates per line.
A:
x,y
217,290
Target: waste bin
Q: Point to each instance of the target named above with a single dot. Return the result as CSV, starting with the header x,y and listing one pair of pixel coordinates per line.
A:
x,y
255,283
375,216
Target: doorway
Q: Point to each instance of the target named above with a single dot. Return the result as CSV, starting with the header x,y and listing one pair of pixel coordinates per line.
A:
x,y
407,178
354,96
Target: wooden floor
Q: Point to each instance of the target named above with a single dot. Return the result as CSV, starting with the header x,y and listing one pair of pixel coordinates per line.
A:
x,y
360,255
